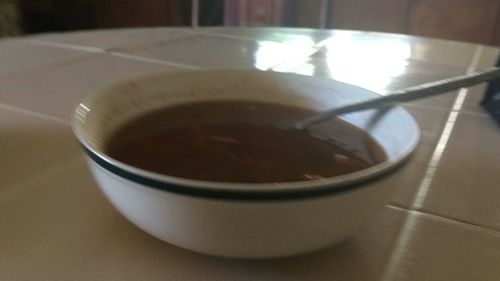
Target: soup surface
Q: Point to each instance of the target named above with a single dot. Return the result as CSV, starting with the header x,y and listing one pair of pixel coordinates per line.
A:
x,y
241,141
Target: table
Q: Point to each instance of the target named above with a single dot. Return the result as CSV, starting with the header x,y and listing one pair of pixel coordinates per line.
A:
x,y
442,224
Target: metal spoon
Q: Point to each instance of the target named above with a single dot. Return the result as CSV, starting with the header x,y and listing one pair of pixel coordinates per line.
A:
x,y
408,94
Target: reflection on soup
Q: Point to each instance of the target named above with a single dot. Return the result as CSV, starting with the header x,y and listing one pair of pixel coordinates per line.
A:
x,y
241,141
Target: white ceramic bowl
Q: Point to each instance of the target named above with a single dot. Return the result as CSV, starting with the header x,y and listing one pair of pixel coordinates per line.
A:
x,y
242,220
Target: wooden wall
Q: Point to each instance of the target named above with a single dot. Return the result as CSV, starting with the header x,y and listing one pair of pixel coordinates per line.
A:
x,y
464,20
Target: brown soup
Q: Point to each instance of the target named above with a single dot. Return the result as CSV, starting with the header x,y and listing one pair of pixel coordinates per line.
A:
x,y
241,141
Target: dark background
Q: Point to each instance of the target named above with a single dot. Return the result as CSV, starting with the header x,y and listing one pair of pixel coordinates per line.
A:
x,y
62,15
475,21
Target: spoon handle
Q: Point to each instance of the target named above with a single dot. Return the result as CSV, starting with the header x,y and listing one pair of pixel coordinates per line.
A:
x,y
408,94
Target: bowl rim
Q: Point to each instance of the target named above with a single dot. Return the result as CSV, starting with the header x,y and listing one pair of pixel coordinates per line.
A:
x,y
237,190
